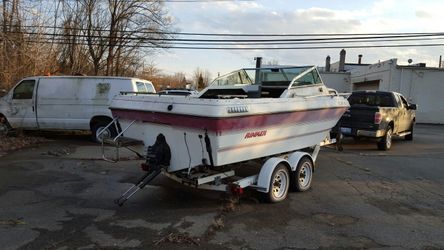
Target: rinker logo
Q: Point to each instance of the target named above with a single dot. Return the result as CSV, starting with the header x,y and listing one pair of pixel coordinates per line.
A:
x,y
255,134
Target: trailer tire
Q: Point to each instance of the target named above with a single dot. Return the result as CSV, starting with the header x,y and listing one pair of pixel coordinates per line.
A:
x,y
303,175
386,142
279,184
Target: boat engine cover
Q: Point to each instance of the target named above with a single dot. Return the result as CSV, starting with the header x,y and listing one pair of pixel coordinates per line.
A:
x,y
159,154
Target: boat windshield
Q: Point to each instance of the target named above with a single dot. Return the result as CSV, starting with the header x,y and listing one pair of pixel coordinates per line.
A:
x,y
262,76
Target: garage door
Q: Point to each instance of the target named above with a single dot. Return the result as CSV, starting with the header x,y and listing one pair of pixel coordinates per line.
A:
x,y
367,85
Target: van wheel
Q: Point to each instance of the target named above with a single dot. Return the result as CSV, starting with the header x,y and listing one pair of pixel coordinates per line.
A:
x,y
386,142
4,126
98,135
279,184
3,129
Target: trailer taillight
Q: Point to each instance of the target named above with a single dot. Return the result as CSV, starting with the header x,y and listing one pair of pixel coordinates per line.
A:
x,y
236,189
145,167
378,118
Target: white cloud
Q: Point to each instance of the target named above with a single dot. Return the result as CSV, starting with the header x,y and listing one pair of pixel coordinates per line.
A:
x,y
265,17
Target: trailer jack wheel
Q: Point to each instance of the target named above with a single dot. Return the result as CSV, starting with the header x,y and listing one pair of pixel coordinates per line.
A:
x,y
279,183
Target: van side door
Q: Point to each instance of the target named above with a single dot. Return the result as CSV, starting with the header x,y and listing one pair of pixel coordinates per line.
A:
x,y
22,113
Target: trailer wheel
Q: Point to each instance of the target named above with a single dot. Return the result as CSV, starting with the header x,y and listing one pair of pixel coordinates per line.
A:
x,y
279,183
386,142
302,177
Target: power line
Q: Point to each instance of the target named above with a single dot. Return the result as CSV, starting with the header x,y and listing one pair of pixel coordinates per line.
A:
x,y
217,41
133,39
85,39
302,43
235,34
317,47
155,46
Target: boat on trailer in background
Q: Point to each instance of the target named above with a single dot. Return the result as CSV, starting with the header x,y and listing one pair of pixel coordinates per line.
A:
x,y
267,114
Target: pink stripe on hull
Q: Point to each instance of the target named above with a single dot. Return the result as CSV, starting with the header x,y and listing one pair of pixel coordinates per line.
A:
x,y
229,123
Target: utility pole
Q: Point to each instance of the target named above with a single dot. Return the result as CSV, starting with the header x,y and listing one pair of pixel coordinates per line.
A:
x,y
258,65
258,61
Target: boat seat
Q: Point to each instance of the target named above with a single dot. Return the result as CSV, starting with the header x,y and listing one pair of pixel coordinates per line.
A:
x,y
253,91
273,89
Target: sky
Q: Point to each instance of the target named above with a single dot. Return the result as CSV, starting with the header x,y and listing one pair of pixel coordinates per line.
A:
x,y
297,16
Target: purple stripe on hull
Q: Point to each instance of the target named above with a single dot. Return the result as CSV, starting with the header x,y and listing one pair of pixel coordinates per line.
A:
x,y
229,123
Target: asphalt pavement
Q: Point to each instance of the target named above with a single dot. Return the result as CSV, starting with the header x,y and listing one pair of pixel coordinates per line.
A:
x,y
59,195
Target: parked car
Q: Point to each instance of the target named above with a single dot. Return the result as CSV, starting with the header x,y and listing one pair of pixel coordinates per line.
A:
x,y
378,114
66,103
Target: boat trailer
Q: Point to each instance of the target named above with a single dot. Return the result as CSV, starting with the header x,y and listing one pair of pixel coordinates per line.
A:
x,y
278,174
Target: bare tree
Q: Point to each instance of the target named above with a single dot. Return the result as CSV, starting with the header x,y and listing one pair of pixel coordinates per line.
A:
x,y
130,24
201,76
109,37
114,33
20,55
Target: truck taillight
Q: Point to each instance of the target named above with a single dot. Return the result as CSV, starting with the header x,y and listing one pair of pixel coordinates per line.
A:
x,y
378,118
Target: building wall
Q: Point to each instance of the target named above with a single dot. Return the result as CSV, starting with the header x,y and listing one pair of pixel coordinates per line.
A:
x,y
425,88
381,72
337,81
420,85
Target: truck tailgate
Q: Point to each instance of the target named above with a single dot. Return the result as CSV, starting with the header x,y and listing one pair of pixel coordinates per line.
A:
x,y
360,117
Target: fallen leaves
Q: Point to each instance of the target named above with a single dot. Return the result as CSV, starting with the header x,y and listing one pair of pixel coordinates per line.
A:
x,y
179,238
10,143
12,222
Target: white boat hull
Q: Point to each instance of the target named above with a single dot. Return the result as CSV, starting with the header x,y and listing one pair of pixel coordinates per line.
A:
x,y
234,137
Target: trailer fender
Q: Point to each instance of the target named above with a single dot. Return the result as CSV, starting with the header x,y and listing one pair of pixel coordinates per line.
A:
x,y
263,180
295,157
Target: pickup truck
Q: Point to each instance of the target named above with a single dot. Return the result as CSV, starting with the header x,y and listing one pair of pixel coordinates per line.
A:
x,y
378,114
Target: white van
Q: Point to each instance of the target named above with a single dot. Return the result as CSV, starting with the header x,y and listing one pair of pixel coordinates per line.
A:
x,y
65,102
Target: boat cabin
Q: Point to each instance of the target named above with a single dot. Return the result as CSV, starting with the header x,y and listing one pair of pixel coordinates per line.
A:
x,y
273,82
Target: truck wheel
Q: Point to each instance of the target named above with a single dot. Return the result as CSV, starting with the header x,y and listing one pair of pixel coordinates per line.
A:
x,y
301,178
409,137
279,183
110,132
386,142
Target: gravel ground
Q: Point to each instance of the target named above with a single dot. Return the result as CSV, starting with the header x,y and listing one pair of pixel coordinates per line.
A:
x,y
360,198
